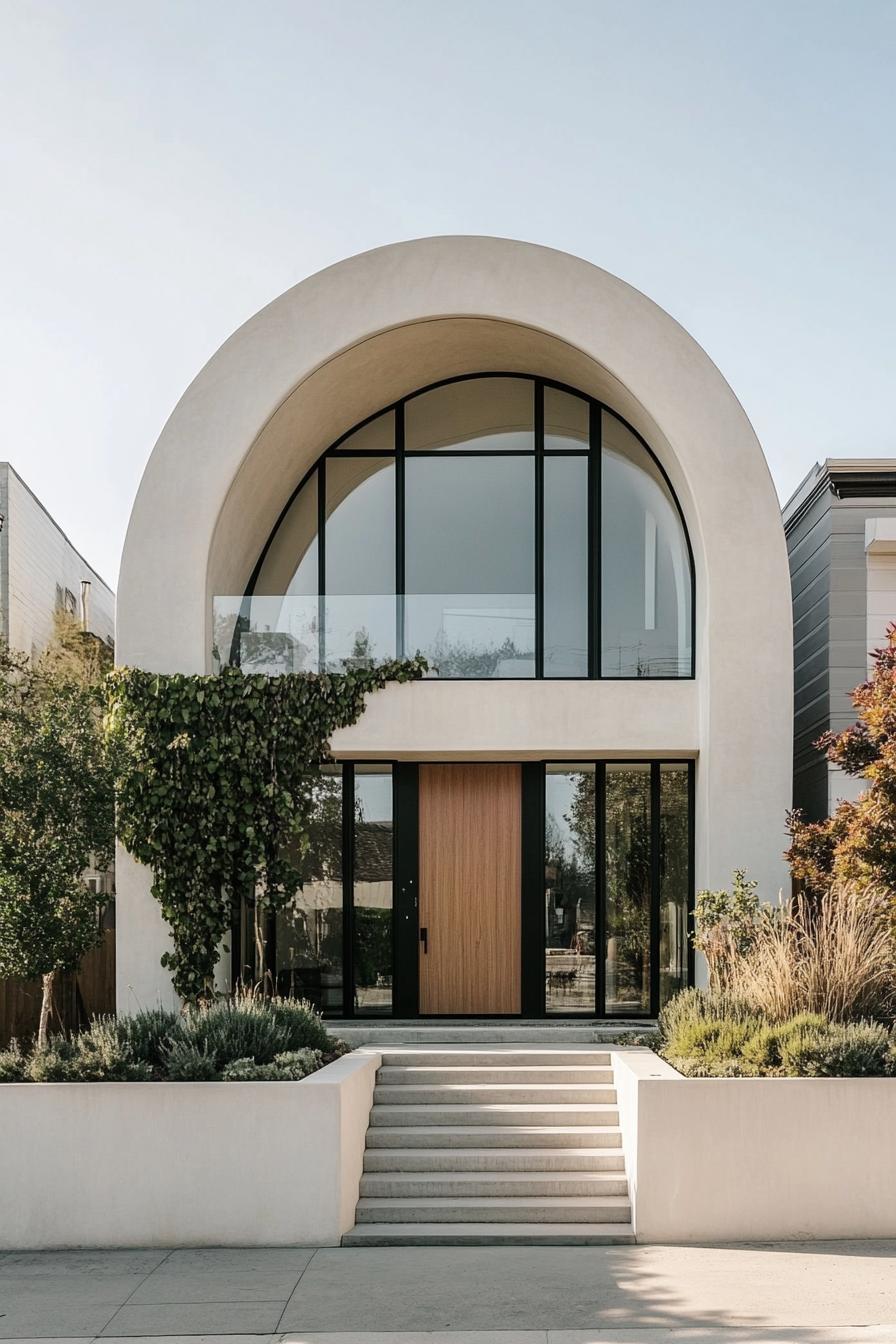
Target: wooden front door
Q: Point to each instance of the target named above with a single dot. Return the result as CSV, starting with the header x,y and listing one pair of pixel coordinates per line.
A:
x,y
469,817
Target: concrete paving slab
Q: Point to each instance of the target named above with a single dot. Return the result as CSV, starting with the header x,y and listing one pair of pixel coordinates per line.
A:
x,y
228,1258
623,1287
194,1318
57,1263
861,1334
420,1337
224,1275
186,1339
56,1321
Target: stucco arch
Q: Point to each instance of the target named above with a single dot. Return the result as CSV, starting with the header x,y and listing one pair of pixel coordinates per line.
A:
x,y
360,334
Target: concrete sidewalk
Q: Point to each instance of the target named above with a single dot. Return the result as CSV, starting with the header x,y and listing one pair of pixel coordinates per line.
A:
x,y
801,1293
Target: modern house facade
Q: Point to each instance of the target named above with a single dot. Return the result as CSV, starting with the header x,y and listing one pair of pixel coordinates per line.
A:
x,y
41,573
841,539
506,459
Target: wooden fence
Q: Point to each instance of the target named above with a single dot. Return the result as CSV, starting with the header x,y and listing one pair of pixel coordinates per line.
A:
x,y
79,996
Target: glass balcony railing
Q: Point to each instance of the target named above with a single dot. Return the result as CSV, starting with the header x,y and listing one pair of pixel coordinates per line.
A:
x,y
477,635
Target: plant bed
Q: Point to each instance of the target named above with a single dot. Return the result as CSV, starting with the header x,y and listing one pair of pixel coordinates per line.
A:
x,y
245,1039
706,1035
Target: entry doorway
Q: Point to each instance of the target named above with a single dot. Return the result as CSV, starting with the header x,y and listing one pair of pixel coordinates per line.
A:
x,y
469,888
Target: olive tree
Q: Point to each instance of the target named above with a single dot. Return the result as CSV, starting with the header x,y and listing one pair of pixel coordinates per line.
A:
x,y
57,813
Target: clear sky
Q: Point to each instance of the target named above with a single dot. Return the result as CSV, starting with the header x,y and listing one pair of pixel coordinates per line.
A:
x,y
169,166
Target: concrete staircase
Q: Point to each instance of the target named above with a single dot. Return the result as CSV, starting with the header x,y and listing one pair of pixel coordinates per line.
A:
x,y
512,1145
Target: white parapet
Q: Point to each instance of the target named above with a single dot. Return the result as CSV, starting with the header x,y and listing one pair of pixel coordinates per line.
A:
x,y
184,1164
755,1159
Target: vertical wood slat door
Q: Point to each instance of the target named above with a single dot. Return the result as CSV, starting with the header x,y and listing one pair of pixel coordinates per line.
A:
x,y
470,836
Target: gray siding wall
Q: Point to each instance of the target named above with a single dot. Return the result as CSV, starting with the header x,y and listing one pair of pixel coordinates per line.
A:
x,y
809,549
828,574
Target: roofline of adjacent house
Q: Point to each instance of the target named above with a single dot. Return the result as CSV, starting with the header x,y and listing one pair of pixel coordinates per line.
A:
x,y
43,508
845,477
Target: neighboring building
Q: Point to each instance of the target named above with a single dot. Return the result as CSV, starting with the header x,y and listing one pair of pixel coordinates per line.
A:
x,y
507,458
841,538
42,573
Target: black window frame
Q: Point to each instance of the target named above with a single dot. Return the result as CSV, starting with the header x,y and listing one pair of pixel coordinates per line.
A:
x,y
593,452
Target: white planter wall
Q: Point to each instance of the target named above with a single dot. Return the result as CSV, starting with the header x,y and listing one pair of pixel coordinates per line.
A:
x,y
756,1159
181,1164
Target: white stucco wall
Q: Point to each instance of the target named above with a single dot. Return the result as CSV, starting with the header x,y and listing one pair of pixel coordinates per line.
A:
x,y
350,340
755,1159
184,1164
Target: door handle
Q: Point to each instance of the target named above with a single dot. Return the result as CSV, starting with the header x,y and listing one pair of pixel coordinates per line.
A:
x,y
424,938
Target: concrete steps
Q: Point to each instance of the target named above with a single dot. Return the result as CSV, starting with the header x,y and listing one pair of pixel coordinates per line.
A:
x,y
491,1184
458,1160
488,1234
463,1031
489,1136
498,1146
478,1094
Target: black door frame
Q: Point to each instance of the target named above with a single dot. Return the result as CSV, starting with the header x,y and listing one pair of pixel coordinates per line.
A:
x,y
405,898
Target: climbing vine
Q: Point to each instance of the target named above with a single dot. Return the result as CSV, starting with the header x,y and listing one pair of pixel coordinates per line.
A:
x,y
216,778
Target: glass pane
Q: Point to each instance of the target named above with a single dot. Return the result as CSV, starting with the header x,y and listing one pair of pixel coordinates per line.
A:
x,y
309,929
627,877
566,567
360,561
290,565
477,415
569,889
377,437
674,879
373,889
470,564
566,421
645,574
279,634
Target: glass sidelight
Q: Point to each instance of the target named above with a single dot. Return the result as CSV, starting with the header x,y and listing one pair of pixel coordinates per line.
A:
x,y
617,886
372,889
627,875
569,889
306,948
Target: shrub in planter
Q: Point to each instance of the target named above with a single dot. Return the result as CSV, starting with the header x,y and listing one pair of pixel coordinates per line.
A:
x,y
250,1027
709,1035
766,1048
147,1034
287,1067
245,1037
95,1056
187,1062
12,1064
839,1050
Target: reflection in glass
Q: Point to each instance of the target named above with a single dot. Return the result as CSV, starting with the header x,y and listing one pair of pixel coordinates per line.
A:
x,y
360,561
373,889
566,567
278,626
309,929
569,891
566,421
627,876
470,564
645,581
475,415
674,879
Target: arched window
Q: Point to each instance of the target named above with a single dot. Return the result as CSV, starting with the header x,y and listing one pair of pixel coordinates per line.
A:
x,y
502,525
